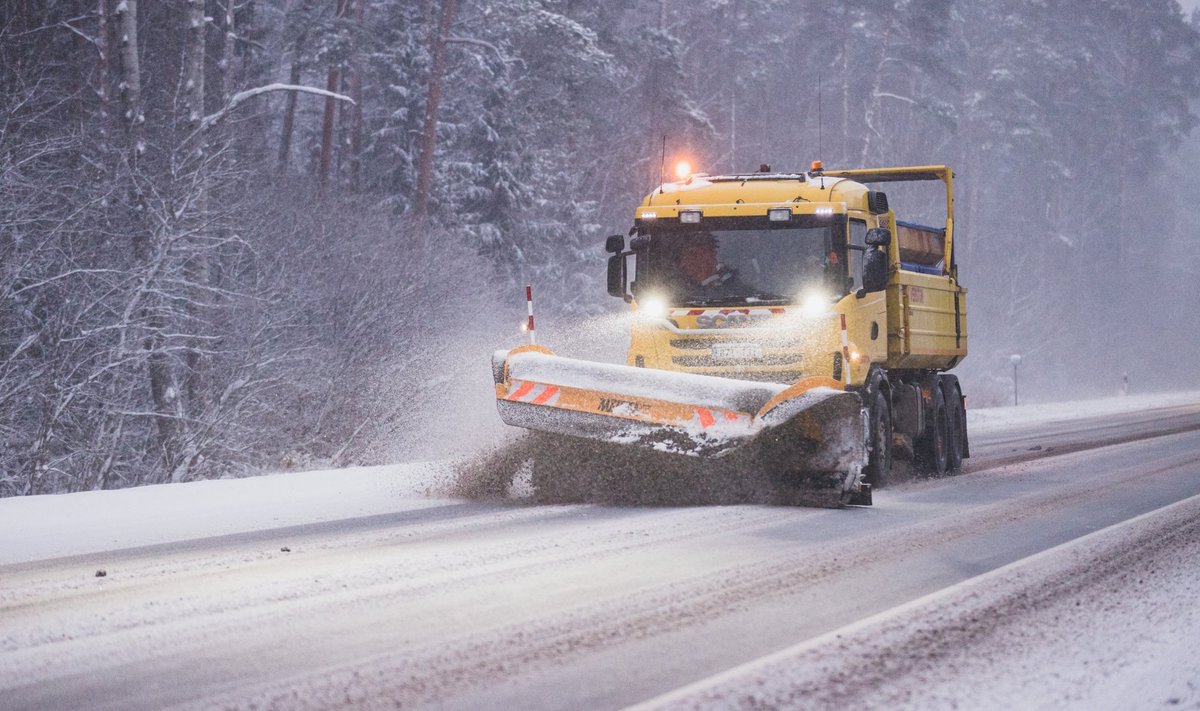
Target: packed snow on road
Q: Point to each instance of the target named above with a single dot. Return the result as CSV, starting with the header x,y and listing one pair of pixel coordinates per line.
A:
x,y
1112,613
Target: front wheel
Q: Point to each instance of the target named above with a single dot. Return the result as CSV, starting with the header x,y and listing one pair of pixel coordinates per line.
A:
x,y
879,441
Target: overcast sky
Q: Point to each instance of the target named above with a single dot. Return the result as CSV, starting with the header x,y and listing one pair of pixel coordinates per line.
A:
x,y
1189,5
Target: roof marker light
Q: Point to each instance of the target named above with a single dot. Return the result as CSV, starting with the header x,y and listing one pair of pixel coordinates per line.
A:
x,y
649,215
824,212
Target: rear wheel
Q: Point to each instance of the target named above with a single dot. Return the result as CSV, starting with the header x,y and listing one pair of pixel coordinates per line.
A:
x,y
955,418
879,440
935,454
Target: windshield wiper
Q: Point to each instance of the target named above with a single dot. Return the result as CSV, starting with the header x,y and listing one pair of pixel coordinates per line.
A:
x,y
765,299
768,298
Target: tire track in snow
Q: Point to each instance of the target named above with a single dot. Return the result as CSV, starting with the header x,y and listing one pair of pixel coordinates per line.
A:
x,y
436,672
913,656
1081,435
32,631
44,581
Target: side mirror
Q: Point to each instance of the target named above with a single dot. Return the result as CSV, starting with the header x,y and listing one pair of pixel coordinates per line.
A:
x,y
616,275
878,237
874,270
614,244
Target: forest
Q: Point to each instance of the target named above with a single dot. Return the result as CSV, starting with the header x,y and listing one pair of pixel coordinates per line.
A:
x,y
240,236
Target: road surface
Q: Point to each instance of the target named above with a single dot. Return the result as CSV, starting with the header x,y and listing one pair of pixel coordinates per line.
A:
x,y
1054,570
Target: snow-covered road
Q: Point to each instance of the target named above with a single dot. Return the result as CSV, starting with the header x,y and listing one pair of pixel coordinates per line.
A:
x,y
1062,569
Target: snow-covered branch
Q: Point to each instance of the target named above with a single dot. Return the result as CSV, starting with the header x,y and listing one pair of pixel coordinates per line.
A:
x,y
87,38
897,97
243,96
486,45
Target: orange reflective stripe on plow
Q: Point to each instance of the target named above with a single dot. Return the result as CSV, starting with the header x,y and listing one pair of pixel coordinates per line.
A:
x,y
546,394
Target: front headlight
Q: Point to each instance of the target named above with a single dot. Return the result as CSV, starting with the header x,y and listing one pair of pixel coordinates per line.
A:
x,y
652,307
815,303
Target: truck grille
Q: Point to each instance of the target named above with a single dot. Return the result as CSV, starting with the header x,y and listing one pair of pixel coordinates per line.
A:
x,y
705,343
707,361
757,375
780,361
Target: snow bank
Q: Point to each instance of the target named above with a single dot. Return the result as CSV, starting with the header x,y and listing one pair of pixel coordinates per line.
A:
x,y
995,418
41,527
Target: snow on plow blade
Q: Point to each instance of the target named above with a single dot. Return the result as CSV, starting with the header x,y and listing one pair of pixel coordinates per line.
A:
x,y
811,432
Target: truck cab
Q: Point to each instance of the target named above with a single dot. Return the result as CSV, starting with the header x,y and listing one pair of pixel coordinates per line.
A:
x,y
783,276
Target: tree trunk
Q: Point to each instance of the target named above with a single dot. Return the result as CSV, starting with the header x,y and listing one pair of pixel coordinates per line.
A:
x,y
437,53
289,111
327,134
193,66
195,148
158,370
103,70
131,81
228,58
331,85
356,111
188,399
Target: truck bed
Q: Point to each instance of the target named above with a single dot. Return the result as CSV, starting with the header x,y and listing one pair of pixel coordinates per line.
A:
x,y
927,322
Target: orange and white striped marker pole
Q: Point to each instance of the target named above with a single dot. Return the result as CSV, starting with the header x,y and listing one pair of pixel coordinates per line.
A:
x,y
529,306
845,352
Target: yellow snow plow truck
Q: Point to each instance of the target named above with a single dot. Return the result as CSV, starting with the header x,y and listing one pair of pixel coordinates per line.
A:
x,y
783,324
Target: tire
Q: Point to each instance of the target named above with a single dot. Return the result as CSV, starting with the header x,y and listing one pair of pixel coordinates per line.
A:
x,y
955,417
879,441
935,449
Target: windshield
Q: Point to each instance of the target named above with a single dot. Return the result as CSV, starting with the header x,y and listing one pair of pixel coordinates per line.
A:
x,y
742,260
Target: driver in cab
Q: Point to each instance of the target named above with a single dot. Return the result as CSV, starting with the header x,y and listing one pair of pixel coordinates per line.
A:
x,y
699,262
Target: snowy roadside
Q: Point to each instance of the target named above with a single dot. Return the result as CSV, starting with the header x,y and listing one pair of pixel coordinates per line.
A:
x,y
1107,621
42,527
986,420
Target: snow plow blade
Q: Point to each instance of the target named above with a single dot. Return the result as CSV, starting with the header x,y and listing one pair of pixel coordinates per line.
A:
x,y
808,437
